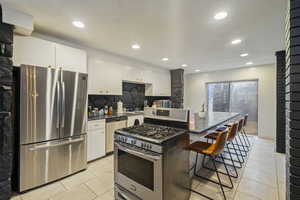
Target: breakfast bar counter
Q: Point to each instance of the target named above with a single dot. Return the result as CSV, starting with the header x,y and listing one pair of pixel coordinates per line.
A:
x,y
201,125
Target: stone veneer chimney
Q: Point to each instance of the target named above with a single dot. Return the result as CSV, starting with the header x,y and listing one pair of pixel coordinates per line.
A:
x,y
177,88
292,82
6,99
281,121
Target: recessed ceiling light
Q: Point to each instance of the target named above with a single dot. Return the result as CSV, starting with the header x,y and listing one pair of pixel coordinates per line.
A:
x,y
220,15
197,70
237,41
165,59
249,63
135,46
184,65
78,24
244,54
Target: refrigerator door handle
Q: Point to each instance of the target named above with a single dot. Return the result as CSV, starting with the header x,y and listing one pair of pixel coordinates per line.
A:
x,y
63,106
58,103
46,146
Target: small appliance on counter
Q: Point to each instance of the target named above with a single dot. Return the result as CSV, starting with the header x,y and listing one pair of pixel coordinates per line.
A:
x,y
151,160
120,107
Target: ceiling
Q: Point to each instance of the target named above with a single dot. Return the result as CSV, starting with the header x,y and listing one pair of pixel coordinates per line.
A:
x,y
185,31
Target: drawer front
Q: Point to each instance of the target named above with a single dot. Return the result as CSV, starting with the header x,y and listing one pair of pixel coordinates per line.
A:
x,y
96,125
46,162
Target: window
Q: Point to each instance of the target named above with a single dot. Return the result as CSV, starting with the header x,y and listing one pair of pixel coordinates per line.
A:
x,y
235,96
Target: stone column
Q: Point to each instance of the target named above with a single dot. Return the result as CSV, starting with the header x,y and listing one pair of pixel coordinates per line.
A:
x,y
6,99
177,88
292,41
281,122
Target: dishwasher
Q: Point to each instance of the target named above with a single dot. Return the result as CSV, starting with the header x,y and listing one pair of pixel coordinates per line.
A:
x,y
113,124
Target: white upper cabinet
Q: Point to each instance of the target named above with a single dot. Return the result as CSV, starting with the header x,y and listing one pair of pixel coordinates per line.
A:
x,y
133,74
43,53
71,59
148,76
33,51
104,78
161,84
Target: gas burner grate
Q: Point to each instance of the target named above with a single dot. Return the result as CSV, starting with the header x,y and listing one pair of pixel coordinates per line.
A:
x,y
151,131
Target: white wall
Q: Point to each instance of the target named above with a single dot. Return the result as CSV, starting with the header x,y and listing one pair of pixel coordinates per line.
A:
x,y
195,92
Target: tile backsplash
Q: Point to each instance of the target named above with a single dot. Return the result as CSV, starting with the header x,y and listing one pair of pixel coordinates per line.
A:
x,y
100,101
133,98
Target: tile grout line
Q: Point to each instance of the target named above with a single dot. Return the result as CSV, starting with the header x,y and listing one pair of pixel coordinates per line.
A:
x,y
242,173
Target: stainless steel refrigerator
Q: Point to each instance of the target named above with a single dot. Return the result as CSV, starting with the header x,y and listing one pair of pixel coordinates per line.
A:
x,y
52,127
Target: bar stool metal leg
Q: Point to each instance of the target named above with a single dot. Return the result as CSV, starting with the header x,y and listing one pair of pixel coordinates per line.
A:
x,y
220,183
207,179
236,175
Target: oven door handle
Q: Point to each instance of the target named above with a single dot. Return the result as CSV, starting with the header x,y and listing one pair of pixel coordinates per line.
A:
x,y
139,154
123,196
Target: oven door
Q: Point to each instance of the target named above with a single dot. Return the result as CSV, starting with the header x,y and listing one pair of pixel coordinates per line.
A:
x,y
139,171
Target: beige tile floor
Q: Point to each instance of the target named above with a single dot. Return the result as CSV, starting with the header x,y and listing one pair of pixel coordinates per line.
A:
x,y
261,179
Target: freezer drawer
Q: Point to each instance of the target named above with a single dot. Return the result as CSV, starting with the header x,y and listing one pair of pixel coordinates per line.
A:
x,y
45,162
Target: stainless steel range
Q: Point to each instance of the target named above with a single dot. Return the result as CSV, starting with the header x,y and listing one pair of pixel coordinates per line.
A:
x,y
151,161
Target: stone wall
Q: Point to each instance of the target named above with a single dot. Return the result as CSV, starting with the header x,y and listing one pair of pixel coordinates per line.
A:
x,y
281,121
177,88
6,99
292,41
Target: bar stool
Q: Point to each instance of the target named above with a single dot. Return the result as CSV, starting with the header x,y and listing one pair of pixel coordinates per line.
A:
x,y
233,130
234,144
212,151
237,143
244,131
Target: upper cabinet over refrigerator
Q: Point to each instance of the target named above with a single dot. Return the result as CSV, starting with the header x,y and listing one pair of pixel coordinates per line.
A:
x,y
70,58
38,52
33,51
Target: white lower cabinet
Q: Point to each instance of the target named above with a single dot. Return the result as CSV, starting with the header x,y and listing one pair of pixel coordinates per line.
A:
x,y
111,127
96,139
